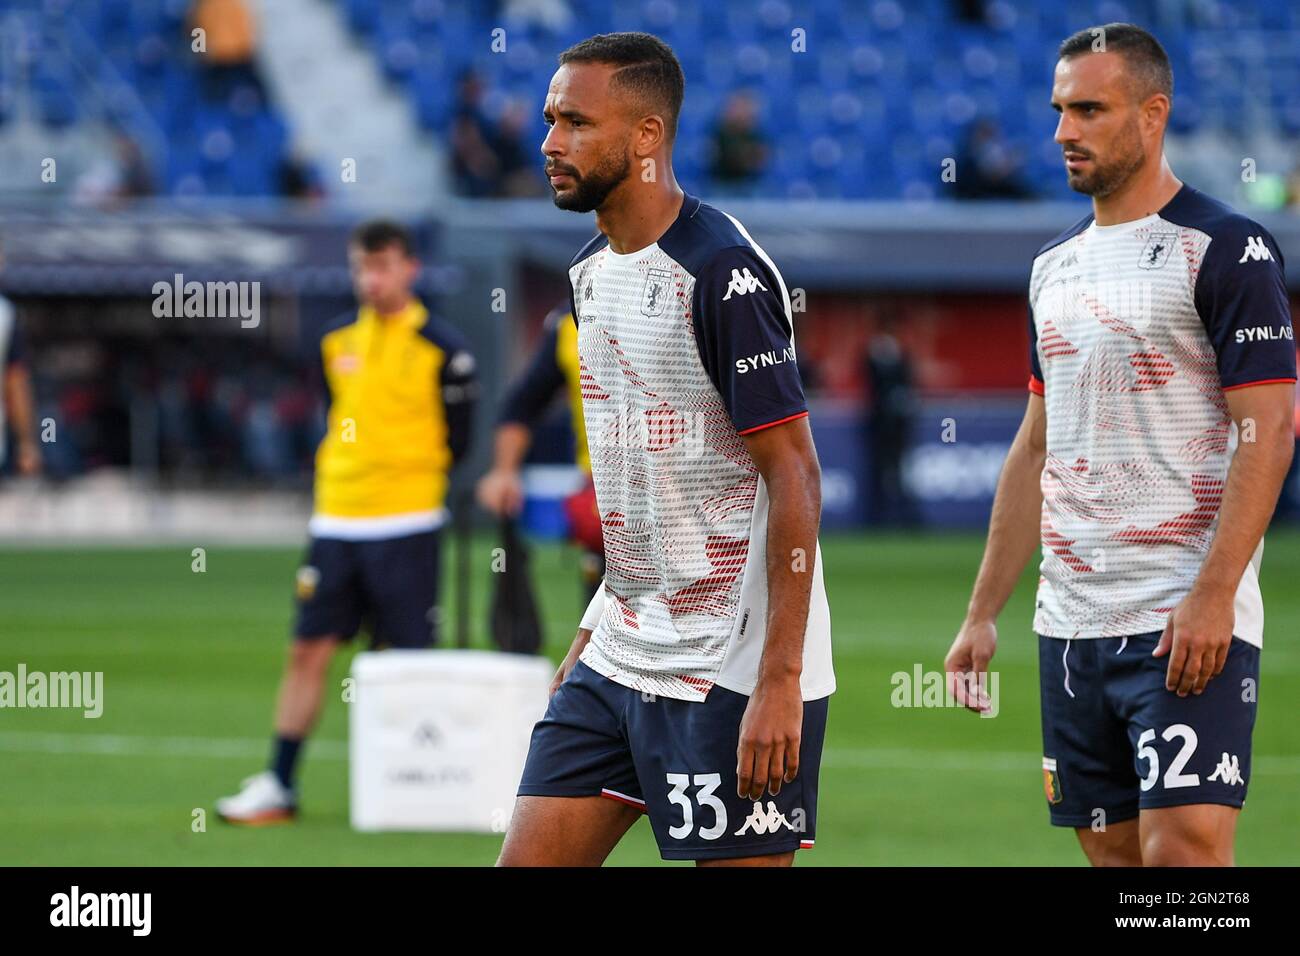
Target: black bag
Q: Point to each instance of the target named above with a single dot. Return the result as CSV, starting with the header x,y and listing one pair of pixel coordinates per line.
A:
x,y
516,627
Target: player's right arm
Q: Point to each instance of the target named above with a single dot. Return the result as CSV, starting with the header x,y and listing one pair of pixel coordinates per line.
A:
x,y
1014,535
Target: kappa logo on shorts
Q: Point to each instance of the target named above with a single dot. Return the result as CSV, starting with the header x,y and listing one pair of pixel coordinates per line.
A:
x,y
307,580
1051,783
762,822
1228,771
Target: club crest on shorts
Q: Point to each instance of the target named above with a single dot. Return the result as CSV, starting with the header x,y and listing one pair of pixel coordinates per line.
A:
x,y
1051,782
1156,252
305,583
654,294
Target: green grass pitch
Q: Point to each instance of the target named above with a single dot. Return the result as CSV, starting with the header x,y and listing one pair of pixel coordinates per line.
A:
x,y
192,660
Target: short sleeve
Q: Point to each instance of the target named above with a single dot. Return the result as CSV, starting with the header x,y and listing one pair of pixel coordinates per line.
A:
x,y
1241,298
746,341
1035,367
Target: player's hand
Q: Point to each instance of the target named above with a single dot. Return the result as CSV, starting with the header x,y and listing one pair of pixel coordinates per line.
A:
x,y
501,491
968,660
1199,633
29,459
571,658
769,737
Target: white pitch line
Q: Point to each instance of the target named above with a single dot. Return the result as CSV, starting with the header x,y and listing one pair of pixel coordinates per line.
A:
x,y
118,745
838,758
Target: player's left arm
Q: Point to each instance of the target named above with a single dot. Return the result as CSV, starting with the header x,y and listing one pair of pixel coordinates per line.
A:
x,y
1241,297
1199,631
772,726
745,336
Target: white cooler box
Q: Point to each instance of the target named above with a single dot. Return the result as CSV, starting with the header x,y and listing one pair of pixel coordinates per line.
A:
x,y
438,738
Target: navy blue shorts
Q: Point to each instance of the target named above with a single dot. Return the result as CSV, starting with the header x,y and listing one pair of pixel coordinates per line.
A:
x,y
676,761
391,586
1116,742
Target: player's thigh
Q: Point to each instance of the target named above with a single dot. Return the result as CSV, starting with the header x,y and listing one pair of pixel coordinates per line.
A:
x,y
565,831
685,755
1115,844
578,792
1198,834
402,581
1195,749
1087,756
328,591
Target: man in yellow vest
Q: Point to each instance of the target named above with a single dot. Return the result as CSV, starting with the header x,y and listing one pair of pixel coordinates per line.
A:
x,y
554,366
401,388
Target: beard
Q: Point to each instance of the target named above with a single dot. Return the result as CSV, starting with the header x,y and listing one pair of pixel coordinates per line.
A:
x,y
590,191
1105,178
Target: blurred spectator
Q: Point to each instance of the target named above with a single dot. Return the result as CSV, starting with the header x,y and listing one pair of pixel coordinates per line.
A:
x,y
475,164
230,42
889,378
491,159
122,175
1293,190
520,161
988,167
739,148
296,177
195,408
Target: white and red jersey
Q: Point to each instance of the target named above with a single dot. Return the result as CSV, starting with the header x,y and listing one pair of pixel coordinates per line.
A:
x,y
1137,331
685,346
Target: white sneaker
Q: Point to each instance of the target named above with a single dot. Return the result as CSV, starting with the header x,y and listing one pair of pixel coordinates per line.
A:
x,y
261,800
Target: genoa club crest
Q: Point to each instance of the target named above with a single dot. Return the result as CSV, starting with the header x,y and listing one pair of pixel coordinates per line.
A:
x,y
1156,252
654,295
1051,782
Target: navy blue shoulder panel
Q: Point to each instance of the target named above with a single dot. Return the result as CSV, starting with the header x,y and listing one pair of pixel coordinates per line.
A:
x,y
1240,292
1066,236
1194,209
699,233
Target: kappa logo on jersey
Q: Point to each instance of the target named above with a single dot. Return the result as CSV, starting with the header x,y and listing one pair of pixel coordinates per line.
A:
x,y
762,822
743,281
1156,252
1256,251
654,295
1228,771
